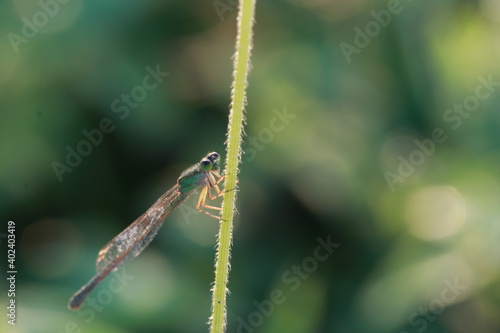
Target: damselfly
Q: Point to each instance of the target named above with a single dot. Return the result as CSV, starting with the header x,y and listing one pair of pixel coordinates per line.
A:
x,y
129,243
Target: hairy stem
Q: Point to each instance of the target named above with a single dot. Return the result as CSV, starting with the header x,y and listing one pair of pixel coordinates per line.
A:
x,y
246,14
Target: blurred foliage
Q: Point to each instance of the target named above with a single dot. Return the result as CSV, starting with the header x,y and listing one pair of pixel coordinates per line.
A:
x,y
417,253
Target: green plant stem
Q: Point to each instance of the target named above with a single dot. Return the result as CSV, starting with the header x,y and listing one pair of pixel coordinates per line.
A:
x,y
246,14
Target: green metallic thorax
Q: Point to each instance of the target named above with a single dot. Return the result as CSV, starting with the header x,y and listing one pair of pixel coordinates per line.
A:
x,y
191,178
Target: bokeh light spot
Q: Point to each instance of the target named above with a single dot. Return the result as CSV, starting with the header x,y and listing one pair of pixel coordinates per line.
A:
x,y
435,212
491,9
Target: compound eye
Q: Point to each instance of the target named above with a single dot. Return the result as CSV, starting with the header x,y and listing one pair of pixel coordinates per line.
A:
x,y
205,165
213,156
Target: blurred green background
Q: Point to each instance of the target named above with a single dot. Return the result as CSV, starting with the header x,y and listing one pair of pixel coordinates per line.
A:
x,y
370,125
